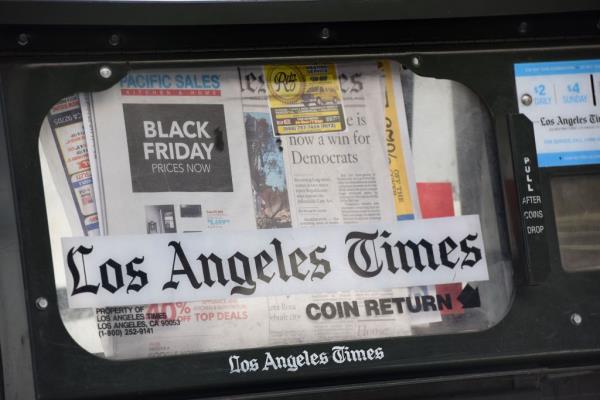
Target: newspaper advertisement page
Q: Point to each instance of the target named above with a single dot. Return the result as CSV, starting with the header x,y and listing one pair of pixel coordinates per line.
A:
x,y
89,126
154,180
65,123
171,155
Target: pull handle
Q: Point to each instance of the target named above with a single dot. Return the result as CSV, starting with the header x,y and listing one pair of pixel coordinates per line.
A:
x,y
535,250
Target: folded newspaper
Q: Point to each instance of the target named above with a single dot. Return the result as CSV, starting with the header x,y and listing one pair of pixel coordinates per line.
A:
x,y
236,149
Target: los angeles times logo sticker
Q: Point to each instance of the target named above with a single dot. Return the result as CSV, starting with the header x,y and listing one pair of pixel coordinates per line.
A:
x,y
178,147
295,361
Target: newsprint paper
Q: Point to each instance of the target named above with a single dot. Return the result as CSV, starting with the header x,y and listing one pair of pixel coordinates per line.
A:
x,y
195,151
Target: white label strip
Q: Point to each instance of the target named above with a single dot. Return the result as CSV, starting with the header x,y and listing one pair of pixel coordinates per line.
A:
x,y
146,269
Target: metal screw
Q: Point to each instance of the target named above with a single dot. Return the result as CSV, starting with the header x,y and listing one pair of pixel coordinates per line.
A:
x,y
41,303
105,72
23,39
114,40
523,28
526,99
416,61
325,34
576,319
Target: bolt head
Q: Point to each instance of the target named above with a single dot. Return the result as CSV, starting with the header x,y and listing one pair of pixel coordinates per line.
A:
x,y
114,40
41,303
325,33
23,39
523,28
576,319
526,99
416,61
105,72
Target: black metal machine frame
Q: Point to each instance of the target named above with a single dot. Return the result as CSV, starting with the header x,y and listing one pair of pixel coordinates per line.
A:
x,y
45,59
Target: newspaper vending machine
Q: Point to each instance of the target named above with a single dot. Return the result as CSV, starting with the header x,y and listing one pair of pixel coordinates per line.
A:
x,y
299,199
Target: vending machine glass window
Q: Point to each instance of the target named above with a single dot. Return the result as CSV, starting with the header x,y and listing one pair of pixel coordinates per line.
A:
x,y
233,207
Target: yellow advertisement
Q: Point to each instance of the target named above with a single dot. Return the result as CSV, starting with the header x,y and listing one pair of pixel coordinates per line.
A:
x,y
397,163
304,99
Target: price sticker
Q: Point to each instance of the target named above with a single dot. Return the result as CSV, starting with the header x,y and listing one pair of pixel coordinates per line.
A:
x,y
560,99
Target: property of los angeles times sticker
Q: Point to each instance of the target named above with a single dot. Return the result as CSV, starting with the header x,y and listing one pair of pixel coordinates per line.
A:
x,y
304,99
